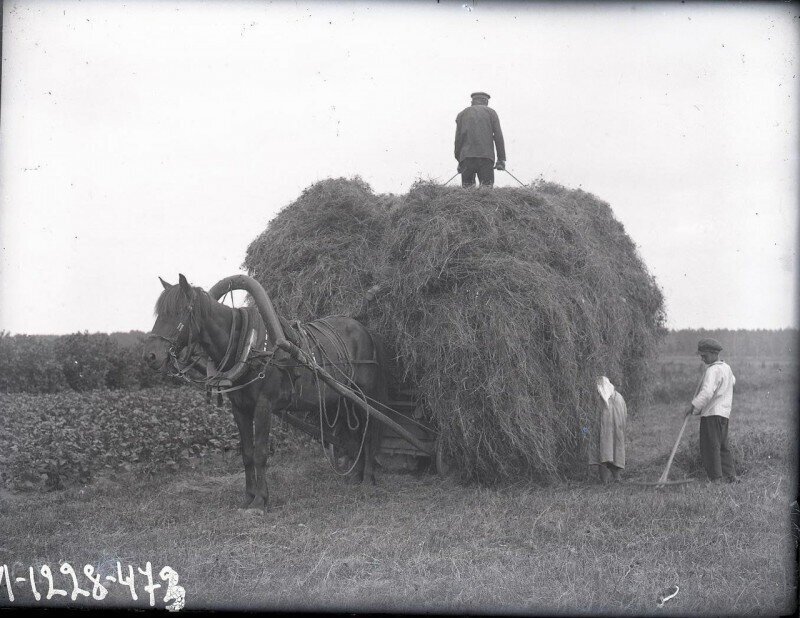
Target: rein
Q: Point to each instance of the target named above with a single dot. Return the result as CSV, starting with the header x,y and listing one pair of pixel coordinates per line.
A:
x,y
242,351
310,335
238,349
242,354
174,348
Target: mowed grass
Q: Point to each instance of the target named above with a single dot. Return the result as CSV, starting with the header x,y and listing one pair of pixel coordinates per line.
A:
x,y
420,543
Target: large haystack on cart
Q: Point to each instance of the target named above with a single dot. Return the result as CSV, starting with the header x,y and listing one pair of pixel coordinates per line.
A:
x,y
500,306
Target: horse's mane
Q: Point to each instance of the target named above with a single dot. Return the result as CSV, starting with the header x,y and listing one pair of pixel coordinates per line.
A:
x,y
173,302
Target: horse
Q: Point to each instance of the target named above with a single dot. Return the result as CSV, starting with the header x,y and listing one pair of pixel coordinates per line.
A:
x,y
190,323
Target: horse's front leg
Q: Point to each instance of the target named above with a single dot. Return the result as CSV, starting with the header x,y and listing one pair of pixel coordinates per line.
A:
x,y
244,421
262,417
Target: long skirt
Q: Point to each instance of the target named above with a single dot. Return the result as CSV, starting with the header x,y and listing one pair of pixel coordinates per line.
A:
x,y
609,436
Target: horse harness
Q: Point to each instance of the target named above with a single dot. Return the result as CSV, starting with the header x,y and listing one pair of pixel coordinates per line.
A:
x,y
174,349
245,352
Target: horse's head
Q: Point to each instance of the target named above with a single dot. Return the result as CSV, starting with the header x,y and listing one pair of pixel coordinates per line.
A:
x,y
171,332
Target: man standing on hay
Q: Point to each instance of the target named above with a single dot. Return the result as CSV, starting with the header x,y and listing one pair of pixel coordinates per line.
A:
x,y
712,401
608,450
477,133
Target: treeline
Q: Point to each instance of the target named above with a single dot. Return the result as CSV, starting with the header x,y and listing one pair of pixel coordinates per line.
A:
x,y
84,362
77,362
760,343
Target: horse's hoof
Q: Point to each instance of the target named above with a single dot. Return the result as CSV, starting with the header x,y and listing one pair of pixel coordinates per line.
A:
x,y
247,501
249,513
258,503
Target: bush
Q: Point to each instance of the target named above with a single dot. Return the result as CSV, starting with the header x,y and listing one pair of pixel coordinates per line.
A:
x,y
130,371
86,360
80,361
28,364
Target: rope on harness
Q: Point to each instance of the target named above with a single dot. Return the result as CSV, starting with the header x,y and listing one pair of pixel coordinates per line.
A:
x,y
328,457
311,336
325,329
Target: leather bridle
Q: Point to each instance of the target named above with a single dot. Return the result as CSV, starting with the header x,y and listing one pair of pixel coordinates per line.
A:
x,y
175,347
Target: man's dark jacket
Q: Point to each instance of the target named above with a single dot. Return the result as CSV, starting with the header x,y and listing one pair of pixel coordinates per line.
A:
x,y
477,133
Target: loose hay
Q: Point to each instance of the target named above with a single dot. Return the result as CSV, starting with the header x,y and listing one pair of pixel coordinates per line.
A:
x,y
317,255
501,307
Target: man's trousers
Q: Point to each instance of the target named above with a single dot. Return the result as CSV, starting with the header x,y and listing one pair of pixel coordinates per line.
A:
x,y
717,458
471,166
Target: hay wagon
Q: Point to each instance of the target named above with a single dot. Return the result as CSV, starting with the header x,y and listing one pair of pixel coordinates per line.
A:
x,y
409,432
410,411
401,442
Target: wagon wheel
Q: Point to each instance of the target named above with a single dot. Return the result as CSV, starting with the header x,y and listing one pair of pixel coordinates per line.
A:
x,y
443,461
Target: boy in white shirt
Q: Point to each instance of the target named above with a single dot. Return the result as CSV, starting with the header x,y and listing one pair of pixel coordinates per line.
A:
x,y
712,401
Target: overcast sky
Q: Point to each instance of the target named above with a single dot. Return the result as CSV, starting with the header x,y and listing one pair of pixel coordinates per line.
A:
x,y
143,139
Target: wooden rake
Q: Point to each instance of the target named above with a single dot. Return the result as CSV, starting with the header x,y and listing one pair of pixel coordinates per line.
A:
x,y
663,479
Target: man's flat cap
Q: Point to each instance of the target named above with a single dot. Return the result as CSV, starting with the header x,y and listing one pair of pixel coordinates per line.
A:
x,y
709,345
480,94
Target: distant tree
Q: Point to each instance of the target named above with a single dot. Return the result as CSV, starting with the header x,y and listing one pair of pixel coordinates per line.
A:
x,y
762,343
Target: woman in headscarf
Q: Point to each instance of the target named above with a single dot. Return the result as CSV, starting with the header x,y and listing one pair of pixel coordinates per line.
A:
x,y
608,449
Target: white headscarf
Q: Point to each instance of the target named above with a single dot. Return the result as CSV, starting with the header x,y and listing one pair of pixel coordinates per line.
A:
x,y
605,388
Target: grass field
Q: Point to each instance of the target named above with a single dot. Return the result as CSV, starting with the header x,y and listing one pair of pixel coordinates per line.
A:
x,y
426,543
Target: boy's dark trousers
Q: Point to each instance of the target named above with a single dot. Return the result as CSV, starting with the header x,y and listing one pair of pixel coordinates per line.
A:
x,y
717,459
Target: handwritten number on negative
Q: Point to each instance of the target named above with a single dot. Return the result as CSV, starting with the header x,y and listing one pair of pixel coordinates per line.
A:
x,y
67,569
175,592
99,591
123,581
150,588
6,574
48,575
36,594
